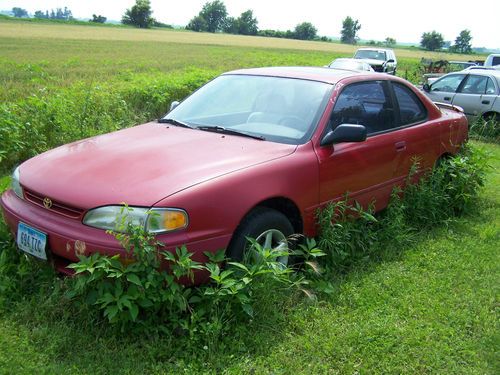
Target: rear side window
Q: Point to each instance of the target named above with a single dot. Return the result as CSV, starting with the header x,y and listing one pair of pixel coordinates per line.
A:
x,y
490,87
366,103
411,109
495,60
475,85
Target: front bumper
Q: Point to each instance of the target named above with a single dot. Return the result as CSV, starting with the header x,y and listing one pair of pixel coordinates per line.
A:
x,y
67,238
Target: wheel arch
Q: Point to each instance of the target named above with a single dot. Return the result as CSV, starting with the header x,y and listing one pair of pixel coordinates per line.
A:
x,y
284,205
288,208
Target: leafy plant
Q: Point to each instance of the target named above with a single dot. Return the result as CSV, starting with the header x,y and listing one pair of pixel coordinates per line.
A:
x,y
151,287
347,232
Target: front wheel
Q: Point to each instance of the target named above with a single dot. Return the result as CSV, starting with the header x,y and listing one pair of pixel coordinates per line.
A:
x,y
270,228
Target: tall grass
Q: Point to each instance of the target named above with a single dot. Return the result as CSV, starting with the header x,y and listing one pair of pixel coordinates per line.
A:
x,y
486,129
44,120
350,233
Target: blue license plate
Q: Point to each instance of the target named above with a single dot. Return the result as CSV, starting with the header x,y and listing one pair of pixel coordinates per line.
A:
x,y
31,241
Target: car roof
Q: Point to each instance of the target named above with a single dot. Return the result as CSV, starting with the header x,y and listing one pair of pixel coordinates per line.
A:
x,y
373,49
484,72
320,74
494,74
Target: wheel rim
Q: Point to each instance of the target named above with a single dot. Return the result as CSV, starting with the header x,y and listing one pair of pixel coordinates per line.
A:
x,y
275,240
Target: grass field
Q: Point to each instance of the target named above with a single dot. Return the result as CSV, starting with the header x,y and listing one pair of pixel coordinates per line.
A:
x,y
428,307
43,56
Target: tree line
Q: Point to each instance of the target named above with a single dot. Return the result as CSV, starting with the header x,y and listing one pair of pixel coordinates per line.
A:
x,y
213,17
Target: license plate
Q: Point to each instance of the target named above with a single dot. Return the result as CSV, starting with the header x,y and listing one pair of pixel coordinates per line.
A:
x,y
31,241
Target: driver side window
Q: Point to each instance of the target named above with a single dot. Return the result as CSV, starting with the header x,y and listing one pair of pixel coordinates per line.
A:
x,y
365,103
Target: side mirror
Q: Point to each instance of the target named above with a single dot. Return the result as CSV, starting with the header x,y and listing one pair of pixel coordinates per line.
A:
x,y
174,104
426,87
345,133
390,60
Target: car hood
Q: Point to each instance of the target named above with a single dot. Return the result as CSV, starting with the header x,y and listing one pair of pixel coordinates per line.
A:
x,y
373,61
141,165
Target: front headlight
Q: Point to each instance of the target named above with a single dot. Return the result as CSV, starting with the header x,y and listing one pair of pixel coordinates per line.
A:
x,y
166,220
118,218
16,185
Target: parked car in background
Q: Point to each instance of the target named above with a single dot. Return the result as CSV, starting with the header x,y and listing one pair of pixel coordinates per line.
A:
x,y
253,153
350,64
475,90
380,59
492,60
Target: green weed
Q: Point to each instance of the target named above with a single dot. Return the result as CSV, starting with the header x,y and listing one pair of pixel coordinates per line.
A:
x,y
487,130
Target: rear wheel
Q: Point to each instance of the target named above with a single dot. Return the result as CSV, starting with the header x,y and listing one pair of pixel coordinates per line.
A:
x,y
492,119
270,228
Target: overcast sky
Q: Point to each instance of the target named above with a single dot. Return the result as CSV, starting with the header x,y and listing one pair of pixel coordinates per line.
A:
x,y
403,20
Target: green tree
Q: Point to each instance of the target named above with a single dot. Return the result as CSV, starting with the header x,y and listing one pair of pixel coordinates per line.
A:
x,y
247,23
215,14
231,26
432,40
39,14
305,31
350,27
390,42
19,12
197,23
462,42
98,19
139,15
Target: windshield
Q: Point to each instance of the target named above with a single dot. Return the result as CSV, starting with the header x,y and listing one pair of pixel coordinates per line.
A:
x,y
347,64
368,54
281,110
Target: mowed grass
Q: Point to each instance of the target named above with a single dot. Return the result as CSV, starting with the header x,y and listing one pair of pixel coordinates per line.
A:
x,y
431,307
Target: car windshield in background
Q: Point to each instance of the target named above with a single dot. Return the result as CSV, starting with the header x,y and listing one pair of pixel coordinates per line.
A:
x,y
366,54
350,65
277,109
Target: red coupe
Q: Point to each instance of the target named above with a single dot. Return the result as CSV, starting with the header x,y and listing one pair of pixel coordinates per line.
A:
x,y
253,153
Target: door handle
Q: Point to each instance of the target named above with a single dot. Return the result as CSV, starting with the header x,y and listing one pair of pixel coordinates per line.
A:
x,y
485,102
447,98
400,146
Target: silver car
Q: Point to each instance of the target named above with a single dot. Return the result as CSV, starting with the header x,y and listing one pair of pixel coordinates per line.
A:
x,y
476,91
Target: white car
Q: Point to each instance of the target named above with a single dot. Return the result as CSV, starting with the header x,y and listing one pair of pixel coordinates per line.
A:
x,y
350,64
380,59
477,91
493,60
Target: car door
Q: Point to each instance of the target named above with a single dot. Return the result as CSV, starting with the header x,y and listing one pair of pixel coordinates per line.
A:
x,y
421,138
445,88
364,170
476,95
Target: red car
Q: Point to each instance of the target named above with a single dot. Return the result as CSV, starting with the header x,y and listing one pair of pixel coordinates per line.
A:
x,y
253,153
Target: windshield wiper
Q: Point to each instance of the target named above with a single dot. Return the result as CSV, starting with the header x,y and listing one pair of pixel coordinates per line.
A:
x,y
223,130
175,122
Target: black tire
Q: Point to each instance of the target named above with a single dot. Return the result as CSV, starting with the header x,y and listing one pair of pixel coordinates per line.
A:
x,y
492,119
255,224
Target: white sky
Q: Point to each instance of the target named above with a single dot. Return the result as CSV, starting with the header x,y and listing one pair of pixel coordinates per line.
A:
x,y
403,20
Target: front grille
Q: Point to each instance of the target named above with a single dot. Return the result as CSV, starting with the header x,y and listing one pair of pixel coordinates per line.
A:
x,y
57,207
378,68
